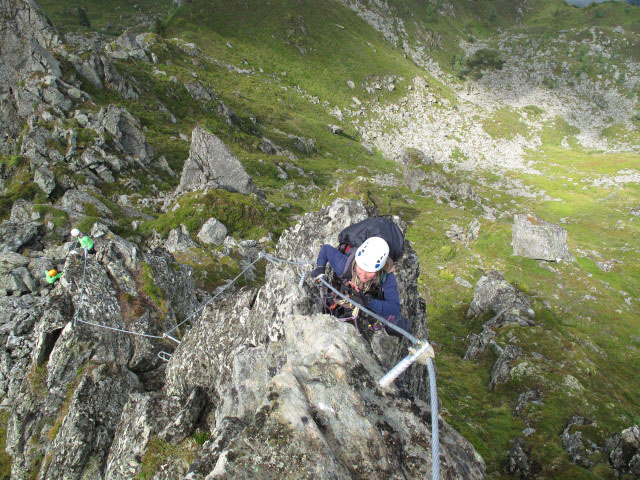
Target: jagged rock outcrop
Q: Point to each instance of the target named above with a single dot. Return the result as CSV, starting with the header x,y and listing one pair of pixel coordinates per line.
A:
x,y
25,39
574,444
501,370
530,396
494,294
18,315
624,451
519,463
309,413
80,376
258,365
98,70
212,165
179,240
130,45
14,235
126,132
535,238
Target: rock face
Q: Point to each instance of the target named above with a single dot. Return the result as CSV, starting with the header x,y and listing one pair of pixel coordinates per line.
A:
x,y
13,235
25,37
100,72
212,165
269,379
535,238
519,464
307,413
501,370
79,376
125,130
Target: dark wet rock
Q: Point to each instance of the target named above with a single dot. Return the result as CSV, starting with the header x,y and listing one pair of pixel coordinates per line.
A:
x,y
535,238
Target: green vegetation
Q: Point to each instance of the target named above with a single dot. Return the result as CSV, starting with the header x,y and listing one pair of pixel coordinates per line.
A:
x,y
5,459
19,184
149,287
506,124
201,436
242,215
159,452
483,59
38,380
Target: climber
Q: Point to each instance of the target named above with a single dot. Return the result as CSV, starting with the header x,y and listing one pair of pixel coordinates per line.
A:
x,y
85,242
52,275
365,276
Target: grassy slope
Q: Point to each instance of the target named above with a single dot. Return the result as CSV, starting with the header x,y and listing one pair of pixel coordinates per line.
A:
x,y
589,340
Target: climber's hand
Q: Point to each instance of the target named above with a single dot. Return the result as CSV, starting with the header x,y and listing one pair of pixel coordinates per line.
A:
x,y
363,299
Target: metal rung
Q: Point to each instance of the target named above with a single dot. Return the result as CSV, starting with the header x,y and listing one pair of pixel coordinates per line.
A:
x,y
165,356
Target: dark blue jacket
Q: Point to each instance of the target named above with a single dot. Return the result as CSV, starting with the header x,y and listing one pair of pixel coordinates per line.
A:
x,y
390,305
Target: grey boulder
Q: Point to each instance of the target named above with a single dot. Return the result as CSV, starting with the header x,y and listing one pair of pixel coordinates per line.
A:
x,y
493,294
179,240
212,232
211,165
535,238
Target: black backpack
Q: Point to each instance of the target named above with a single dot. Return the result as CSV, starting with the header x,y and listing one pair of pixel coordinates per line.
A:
x,y
354,235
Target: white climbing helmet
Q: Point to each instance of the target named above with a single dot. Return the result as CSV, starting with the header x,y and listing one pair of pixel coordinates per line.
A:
x,y
75,232
372,254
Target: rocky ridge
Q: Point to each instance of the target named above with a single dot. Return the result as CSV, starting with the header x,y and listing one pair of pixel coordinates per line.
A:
x,y
261,364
